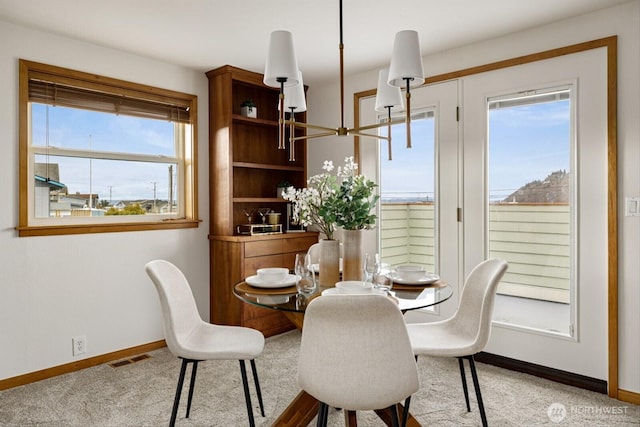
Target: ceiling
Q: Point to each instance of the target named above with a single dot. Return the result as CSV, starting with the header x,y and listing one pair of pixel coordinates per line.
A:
x,y
205,34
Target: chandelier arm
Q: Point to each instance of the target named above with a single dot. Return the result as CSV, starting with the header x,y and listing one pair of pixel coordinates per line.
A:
x,y
389,132
370,135
315,135
333,131
292,141
341,49
375,126
408,119
281,121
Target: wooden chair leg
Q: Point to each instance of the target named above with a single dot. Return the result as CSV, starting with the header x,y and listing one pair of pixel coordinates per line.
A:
x,y
257,384
464,383
192,384
176,400
247,396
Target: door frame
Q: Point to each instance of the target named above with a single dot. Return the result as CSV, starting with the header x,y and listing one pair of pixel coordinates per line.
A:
x,y
610,44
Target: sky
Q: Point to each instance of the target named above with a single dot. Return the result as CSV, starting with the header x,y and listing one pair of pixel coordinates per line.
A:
x,y
71,128
526,143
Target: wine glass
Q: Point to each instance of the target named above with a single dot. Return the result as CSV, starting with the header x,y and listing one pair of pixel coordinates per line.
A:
x,y
249,214
263,214
371,266
305,281
383,281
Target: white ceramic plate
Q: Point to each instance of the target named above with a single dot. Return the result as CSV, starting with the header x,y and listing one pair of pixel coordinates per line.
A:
x,y
426,280
336,291
259,283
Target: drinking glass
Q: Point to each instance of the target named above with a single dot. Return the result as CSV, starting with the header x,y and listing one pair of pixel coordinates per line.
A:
x,y
371,266
382,281
305,281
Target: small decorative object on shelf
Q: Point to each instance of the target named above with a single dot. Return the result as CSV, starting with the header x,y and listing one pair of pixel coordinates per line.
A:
x,y
262,229
248,108
282,186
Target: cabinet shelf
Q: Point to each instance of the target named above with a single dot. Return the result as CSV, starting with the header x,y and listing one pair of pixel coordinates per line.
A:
x,y
258,200
254,121
268,166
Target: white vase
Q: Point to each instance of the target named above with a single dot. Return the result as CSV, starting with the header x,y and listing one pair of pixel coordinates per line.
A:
x,y
249,112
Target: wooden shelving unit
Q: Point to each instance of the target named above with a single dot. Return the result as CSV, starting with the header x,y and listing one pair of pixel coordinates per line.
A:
x,y
245,169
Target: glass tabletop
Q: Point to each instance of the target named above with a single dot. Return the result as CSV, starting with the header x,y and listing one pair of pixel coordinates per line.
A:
x,y
287,299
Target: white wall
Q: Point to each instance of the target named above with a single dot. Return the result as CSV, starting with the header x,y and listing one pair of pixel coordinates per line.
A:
x,y
623,21
55,288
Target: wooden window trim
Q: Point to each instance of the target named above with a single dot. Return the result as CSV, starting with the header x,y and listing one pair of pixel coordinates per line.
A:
x,y
29,69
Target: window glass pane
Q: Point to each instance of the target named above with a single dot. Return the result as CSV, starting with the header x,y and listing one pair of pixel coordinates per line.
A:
x,y
530,207
407,190
72,128
111,183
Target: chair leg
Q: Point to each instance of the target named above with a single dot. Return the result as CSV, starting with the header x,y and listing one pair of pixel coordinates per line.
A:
x,y
394,415
405,413
476,385
464,383
257,383
247,397
176,400
191,386
323,414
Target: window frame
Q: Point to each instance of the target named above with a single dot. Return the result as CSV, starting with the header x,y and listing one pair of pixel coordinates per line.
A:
x,y
28,226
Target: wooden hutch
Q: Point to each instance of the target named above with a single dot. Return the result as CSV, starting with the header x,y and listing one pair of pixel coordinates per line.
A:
x,y
245,167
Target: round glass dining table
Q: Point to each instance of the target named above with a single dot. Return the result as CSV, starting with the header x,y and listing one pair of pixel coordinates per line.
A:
x,y
408,297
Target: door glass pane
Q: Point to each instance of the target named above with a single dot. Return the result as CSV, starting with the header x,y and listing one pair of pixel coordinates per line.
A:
x,y
530,207
407,195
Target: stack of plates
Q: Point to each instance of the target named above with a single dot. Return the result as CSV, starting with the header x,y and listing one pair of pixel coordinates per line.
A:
x,y
257,282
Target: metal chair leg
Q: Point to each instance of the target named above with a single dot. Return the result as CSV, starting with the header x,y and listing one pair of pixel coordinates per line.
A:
x,y
405,413
176,400
476,385
192,383
394,416
257,384
464,383
323,414
247,397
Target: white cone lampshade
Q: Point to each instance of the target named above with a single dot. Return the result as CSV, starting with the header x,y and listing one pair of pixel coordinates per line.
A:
x,y
387,95
406,62
282,63
294,97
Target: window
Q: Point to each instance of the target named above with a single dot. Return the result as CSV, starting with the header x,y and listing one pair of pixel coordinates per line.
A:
x,y
531,207
407,194
99,154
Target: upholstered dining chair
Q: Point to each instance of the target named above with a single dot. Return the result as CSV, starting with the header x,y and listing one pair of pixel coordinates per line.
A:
x,y
467,331
194,340
355,354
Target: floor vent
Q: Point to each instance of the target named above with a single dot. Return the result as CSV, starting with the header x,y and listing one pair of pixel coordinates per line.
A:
x,y
125,362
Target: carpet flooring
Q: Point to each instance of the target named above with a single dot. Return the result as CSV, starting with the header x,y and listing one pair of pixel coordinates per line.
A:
x,y
141,394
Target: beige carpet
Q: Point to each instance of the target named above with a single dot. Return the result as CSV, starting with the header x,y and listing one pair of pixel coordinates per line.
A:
x,y
141,394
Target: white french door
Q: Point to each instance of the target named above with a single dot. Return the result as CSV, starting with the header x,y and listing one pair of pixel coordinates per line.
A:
x,y
427,176
551,308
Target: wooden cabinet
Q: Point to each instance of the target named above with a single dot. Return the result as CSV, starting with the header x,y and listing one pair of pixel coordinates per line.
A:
x,y
246,167
234,258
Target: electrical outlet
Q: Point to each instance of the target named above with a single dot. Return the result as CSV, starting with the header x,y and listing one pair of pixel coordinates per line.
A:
x,y
79,345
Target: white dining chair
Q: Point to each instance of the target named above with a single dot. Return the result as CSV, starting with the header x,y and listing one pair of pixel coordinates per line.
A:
x,y
194,340
467,331
355,354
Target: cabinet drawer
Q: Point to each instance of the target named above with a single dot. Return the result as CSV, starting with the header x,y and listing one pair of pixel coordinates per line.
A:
x,y
299,245
263,247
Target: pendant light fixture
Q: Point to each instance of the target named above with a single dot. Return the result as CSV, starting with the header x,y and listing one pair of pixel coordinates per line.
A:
x,y
405,71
